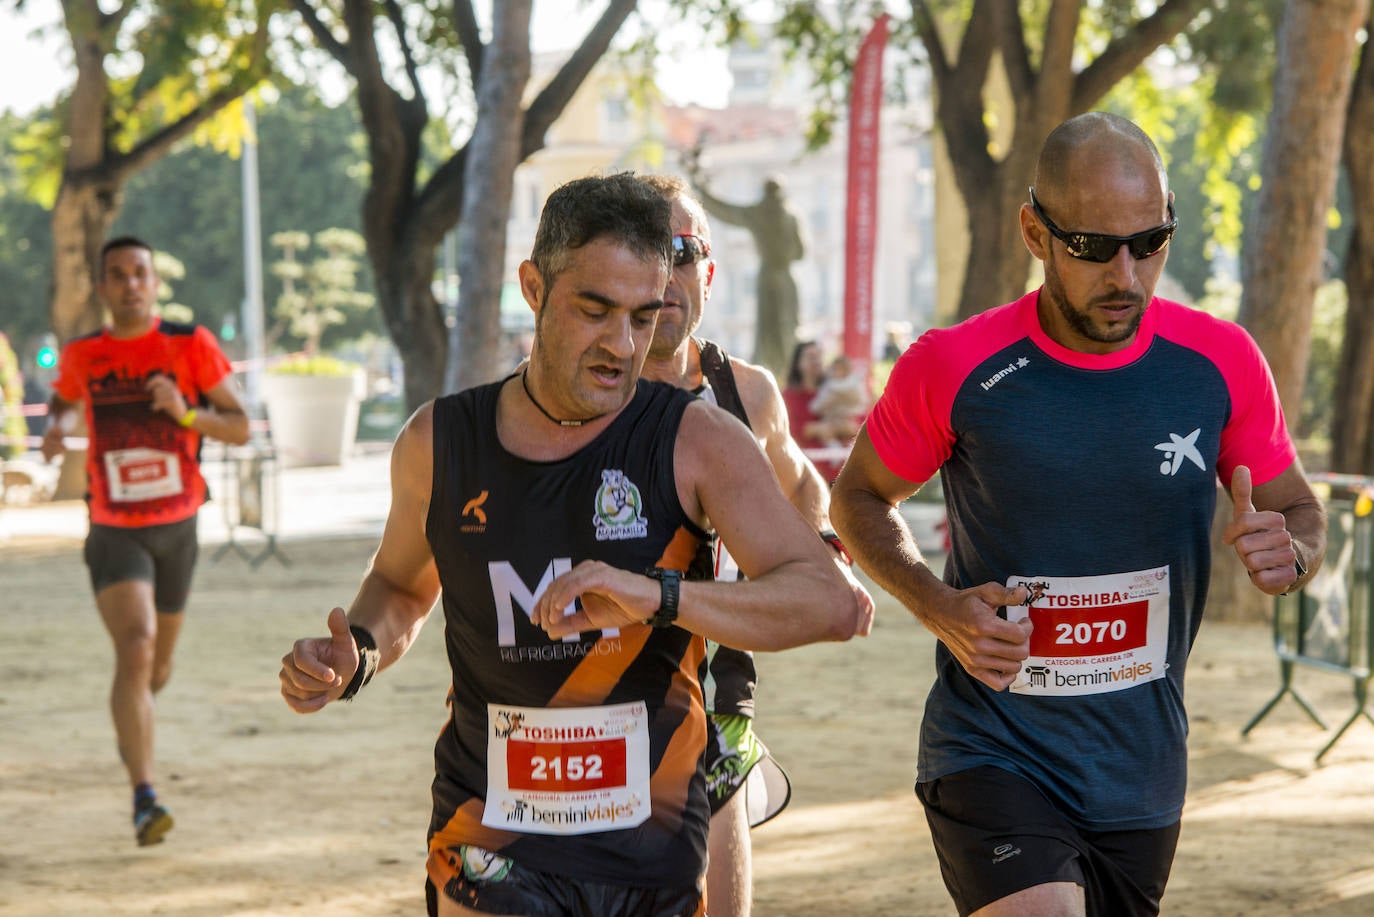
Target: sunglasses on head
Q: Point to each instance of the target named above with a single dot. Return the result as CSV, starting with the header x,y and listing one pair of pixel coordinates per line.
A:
x,y
1092,246
689,249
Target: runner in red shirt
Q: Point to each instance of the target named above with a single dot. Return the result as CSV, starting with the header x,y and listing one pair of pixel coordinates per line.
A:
x,y
151,389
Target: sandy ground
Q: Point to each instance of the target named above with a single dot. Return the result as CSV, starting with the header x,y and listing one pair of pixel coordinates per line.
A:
x,y
282,814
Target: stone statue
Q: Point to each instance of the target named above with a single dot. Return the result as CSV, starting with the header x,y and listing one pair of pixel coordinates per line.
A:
x,y
777,237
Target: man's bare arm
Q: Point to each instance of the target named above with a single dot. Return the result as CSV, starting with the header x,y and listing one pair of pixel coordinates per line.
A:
x,y
227,420
801,483
61,421
794,594
402,583
397,592
864,504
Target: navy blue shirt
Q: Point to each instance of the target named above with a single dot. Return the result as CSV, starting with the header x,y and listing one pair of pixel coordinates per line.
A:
x,y
1091,479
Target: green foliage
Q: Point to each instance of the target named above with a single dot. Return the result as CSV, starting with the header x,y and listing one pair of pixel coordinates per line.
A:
x,y
878,374
1236,40
311,168
25,247
1221,299
310,173
1313,428
322,291
13,429
1323,364
1209,126
166,59
168,268
829,46
36,154
1210,154
317,365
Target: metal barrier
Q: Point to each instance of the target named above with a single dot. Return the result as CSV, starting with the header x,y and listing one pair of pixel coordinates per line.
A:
x,y
1326,625
251,497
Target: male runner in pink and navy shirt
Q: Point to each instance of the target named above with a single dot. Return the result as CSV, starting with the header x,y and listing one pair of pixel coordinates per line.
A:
x,y
1079,432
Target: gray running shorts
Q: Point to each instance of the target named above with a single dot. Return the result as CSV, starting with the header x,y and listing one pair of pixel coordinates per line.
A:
x,y
164,555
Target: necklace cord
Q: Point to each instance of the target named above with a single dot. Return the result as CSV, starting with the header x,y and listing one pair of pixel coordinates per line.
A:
x,y
524,381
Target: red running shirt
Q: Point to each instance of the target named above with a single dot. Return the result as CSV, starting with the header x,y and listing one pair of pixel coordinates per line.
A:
x,y
143,467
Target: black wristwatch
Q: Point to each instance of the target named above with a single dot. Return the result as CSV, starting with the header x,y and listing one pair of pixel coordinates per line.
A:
x,y
1298,565
670,583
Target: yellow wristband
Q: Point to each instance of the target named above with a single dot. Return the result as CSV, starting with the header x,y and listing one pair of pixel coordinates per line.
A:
x,y
188,418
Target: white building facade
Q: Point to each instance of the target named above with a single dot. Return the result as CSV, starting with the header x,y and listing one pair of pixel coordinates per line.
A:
x,y
759,135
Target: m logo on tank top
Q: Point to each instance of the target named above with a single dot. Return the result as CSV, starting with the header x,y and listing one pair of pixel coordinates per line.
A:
x,y
509,591
619,508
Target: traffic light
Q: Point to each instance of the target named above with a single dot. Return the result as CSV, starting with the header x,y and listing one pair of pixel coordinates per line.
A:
x,y
46,357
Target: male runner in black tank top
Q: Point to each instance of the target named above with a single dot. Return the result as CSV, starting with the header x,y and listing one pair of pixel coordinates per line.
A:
x,y
751,394
555,511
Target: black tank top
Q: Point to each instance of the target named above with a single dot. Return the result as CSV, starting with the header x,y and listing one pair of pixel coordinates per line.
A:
x,y
501,527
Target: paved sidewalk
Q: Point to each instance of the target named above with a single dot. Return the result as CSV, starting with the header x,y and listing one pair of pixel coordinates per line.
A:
x,y
348,500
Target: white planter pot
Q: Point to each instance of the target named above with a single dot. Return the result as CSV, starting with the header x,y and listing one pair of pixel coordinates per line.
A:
x,y
313,419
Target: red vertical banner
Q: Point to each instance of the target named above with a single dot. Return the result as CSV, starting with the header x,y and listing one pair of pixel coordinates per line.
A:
x,y
861,209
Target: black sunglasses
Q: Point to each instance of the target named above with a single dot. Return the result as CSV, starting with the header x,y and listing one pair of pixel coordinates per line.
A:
x,y
1091,246
689,249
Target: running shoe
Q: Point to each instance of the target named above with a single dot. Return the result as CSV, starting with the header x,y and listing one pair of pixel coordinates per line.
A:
x,y
151,824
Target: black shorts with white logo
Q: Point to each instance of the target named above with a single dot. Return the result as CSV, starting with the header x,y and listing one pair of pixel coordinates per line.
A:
x,y
996,834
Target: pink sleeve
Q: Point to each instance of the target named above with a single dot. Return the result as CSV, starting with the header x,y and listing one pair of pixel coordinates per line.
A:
x,y
1255,434
911,426
910,423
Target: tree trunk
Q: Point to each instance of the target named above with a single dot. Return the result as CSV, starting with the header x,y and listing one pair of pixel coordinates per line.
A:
x,y
1044,92
86,206
403,222
81,219
1281,266
998,262
1284,244
414,318
488,183
1352,441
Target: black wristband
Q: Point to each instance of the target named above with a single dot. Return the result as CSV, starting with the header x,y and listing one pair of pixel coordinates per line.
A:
x,y
1298,567
830,538
369,657
669,583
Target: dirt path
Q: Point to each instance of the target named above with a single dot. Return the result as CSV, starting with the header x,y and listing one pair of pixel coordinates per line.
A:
x,y
279,814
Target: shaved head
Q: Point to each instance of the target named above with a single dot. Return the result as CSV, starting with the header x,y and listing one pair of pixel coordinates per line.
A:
x,y
1101,179
1093,144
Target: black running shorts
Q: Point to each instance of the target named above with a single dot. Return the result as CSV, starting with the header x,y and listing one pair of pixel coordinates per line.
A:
x,y
996,834
492,884
164,555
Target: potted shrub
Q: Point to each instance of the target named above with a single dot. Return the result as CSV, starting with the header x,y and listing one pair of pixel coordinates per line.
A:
x,y
312,400
312,409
